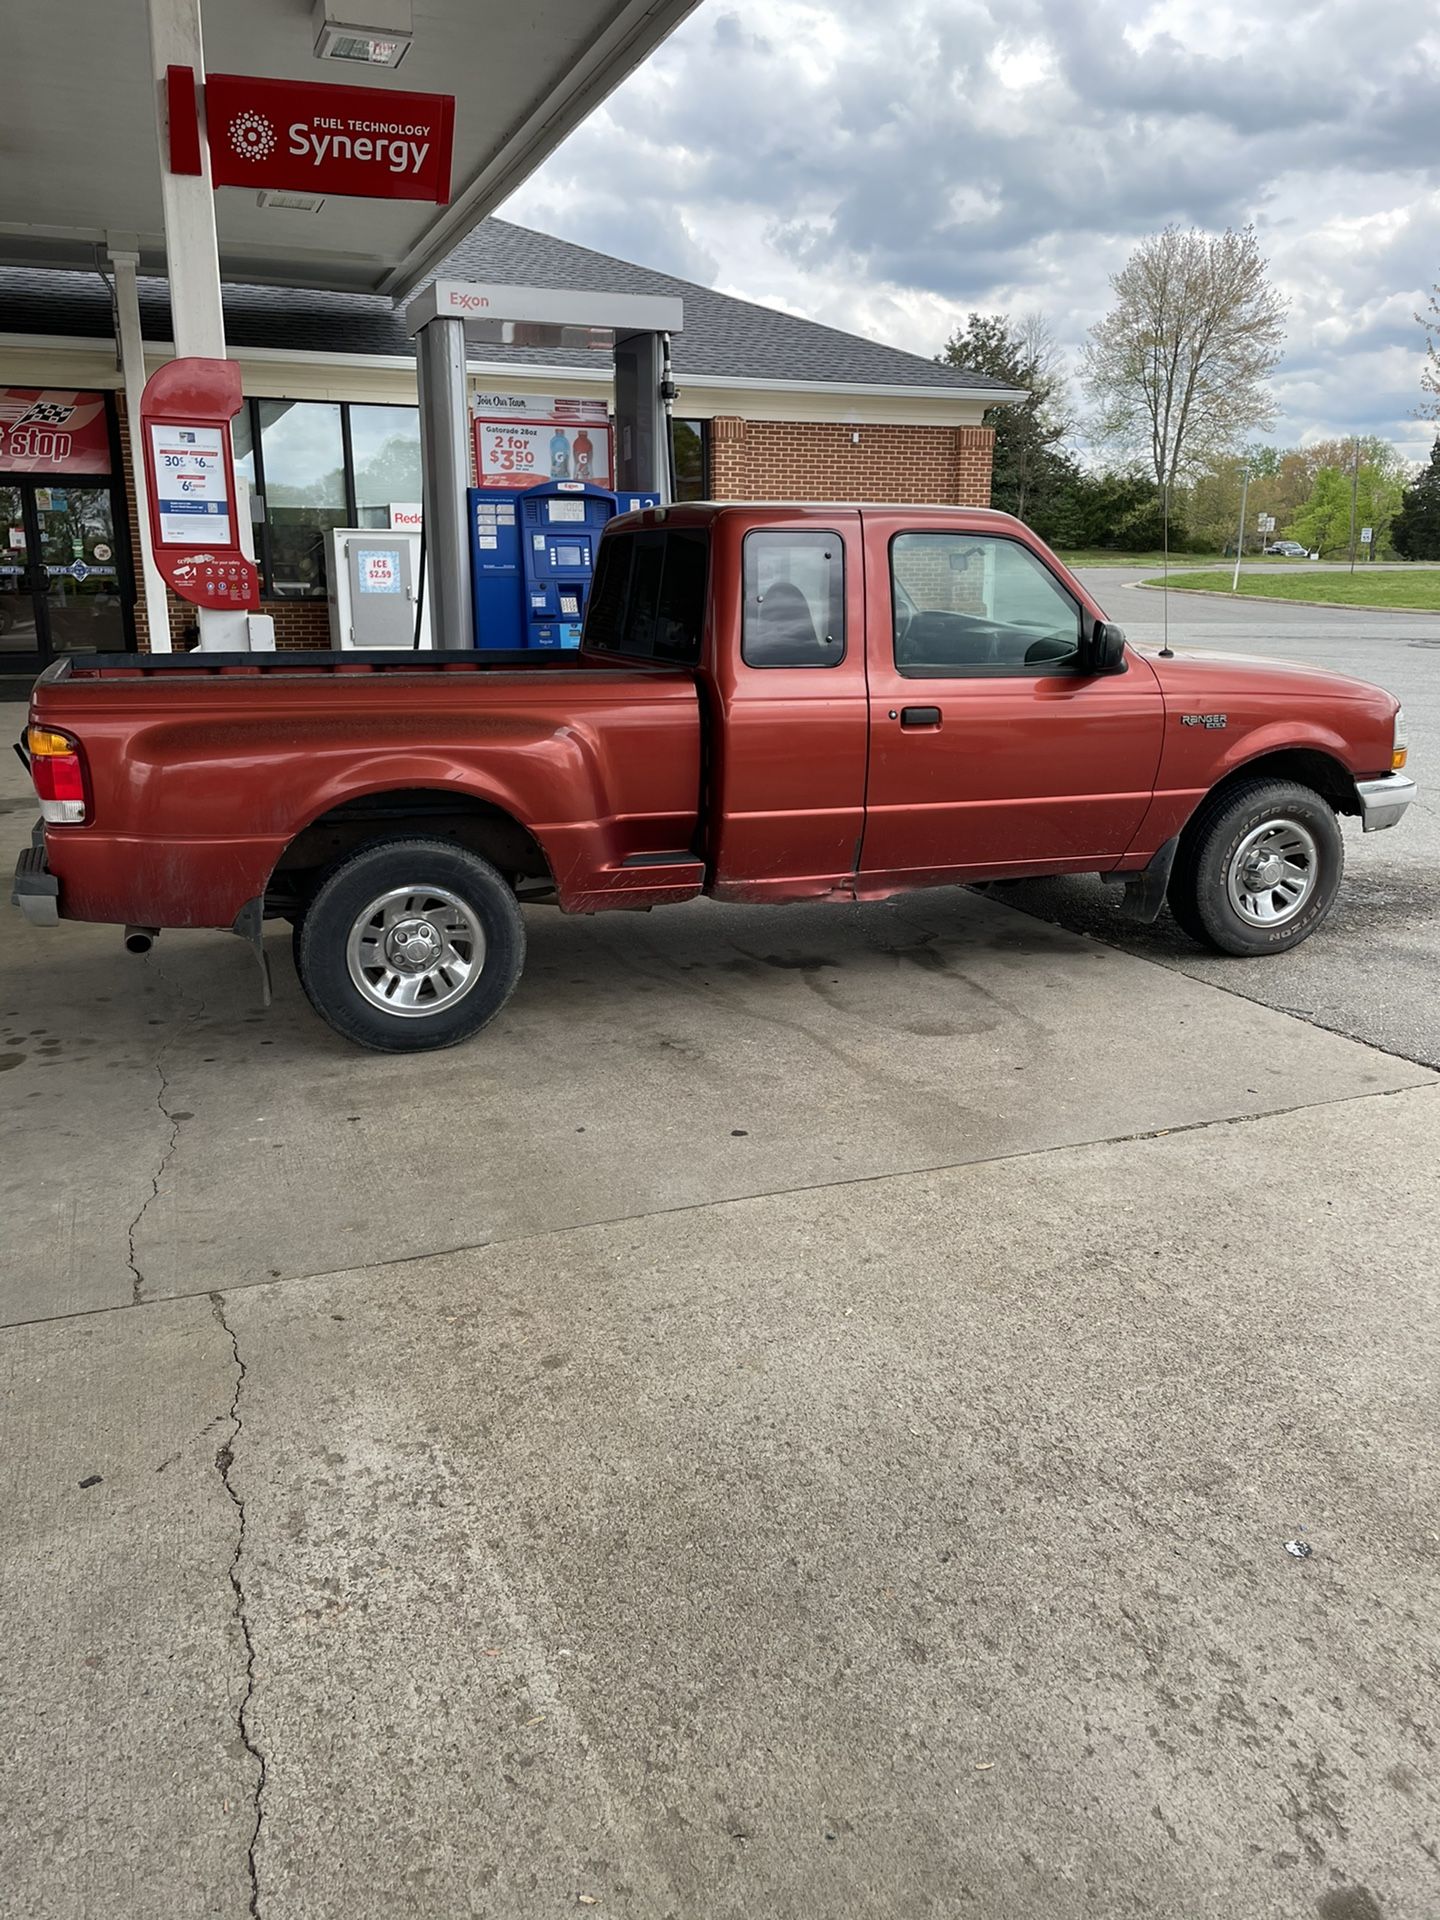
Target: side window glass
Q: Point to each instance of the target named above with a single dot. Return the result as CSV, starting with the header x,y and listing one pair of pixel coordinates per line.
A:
x,y
968,603
794,599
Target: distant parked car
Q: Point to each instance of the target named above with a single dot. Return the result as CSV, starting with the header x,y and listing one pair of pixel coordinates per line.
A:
x,y
1288,550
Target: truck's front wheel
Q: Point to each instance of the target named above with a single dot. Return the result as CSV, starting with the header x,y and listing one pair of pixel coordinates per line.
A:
x,y
1259,867
409,945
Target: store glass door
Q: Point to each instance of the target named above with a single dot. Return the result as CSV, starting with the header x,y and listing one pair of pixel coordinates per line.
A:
x,y
59,573
19,615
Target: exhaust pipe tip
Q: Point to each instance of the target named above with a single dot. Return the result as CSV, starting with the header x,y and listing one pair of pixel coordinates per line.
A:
x,y
140,939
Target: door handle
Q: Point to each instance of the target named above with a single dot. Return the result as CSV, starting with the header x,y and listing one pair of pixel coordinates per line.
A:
x,y
920,716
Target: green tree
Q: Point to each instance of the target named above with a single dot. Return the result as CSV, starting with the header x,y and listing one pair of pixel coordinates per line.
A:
x,y
1325,519
1177,370
1119,510
1029,466
1415,530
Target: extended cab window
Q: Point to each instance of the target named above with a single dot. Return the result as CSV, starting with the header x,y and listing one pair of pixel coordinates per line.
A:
x,y
648,599
978,604
794,600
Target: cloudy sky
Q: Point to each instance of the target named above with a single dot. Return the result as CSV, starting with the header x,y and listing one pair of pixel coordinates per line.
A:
x,y
887,168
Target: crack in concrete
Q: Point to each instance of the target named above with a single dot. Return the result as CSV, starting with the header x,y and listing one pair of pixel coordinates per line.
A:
x,y
137,1278
224,1462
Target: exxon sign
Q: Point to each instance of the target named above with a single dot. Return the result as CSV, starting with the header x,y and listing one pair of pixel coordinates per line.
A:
x,y
354,141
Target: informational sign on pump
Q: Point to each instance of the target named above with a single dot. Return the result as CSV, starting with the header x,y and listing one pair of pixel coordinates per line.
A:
x,y
522,438
185,411
192,479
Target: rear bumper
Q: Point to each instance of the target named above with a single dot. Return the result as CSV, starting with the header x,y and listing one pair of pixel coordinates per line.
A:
x,y
1383,801
35,890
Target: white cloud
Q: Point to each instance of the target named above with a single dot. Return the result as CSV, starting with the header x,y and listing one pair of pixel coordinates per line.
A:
x,y
887,169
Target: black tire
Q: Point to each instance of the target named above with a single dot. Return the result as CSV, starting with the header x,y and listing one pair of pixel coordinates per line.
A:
x,y
1199,893
477,898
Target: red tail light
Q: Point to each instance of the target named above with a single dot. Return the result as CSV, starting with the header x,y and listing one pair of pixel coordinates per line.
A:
x,y
58,775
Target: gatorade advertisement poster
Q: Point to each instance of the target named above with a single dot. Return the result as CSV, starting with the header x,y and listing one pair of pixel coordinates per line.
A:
x,y
521,439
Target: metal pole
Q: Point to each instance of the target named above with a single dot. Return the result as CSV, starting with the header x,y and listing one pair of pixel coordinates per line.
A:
x,y
445,459
1240,540
192,254
153,591
1354,490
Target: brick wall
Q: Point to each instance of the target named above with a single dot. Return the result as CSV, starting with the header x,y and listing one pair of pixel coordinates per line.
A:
x,y
819,460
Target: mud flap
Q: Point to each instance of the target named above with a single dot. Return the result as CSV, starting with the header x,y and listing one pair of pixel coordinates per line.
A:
x,y
249,923
1145,891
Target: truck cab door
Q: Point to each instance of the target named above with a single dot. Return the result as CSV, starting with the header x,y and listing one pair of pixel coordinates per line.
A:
x,y
992,751
790,723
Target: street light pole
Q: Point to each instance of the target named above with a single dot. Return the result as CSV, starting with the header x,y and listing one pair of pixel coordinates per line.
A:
x,y
1354,491
1240,537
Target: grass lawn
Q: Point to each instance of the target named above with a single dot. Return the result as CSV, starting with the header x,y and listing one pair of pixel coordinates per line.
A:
x,y
1418,591
1109,557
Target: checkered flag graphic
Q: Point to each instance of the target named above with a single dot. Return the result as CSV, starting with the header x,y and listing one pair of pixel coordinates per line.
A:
x,y
45,413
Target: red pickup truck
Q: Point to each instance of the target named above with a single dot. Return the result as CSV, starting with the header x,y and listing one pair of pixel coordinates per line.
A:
x,y
771,703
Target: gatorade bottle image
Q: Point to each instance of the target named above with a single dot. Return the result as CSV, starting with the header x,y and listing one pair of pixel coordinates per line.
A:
x,y
584,456
559,456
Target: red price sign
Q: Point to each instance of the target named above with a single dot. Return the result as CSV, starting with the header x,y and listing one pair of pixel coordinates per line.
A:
x,y
508,452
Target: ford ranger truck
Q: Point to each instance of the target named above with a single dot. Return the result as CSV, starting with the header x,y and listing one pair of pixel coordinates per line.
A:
x,y
769,704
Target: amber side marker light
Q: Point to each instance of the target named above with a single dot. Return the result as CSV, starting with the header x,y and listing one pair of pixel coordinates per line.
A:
x,y
1400,745
58,776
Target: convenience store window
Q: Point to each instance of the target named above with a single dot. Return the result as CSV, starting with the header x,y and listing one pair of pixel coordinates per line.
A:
x,y
692,459
318,464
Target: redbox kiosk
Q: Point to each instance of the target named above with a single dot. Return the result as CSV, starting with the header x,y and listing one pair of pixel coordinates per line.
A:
x,y
185,415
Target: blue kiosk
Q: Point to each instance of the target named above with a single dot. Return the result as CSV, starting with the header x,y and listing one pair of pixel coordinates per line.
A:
x,y
532,558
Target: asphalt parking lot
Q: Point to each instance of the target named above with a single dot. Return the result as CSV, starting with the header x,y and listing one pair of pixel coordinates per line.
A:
x,y
807,1415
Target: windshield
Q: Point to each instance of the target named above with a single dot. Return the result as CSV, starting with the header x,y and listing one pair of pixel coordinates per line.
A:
x,y
648,600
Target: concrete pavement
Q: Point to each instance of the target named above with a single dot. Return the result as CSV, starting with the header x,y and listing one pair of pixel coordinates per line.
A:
x,y
803,1416
904,1548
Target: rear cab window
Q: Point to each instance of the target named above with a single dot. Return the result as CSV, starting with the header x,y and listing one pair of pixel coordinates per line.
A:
x,y
648,599
794,614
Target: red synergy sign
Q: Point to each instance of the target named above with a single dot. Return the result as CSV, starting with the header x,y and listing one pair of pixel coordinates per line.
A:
x,y
51,430
302,138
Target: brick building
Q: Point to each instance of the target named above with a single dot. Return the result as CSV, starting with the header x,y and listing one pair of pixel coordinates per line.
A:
x,y
772,407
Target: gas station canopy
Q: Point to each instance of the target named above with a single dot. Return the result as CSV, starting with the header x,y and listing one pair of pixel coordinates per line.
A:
x,y
82,165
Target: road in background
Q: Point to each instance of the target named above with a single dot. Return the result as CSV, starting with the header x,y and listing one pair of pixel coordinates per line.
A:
x,y
1371,971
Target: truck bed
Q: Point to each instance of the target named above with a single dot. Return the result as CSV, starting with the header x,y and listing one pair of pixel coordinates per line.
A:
x,y
208,772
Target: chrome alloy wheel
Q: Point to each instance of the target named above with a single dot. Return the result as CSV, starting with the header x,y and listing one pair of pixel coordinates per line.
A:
x,y
1273,873
415,951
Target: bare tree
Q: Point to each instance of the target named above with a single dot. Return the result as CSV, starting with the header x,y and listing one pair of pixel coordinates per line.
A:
x,y
1430,372
1177,368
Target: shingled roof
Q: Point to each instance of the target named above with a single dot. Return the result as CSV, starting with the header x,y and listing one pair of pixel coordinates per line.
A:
x,y
723,338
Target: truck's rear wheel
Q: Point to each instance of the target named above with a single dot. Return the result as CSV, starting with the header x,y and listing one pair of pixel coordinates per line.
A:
x,y
411,944
1259,868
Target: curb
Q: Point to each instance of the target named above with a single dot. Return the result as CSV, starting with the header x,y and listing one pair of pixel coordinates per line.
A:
x,y
1283,600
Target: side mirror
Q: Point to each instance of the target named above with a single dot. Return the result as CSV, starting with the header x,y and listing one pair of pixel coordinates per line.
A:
x,y
1105,650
